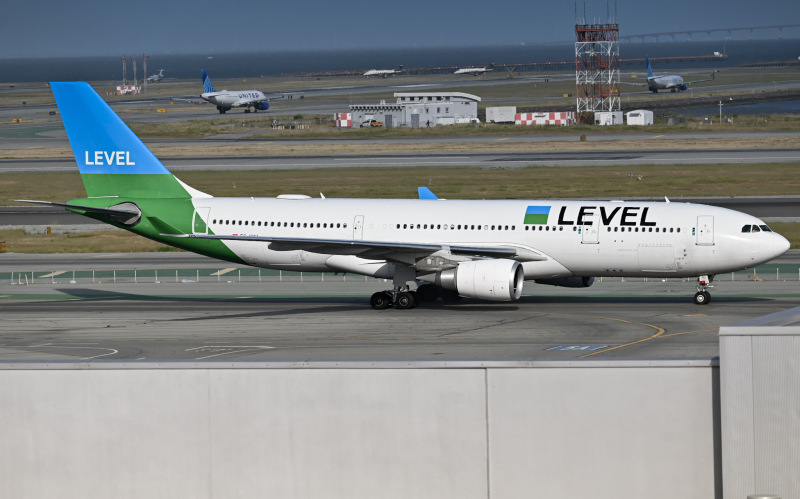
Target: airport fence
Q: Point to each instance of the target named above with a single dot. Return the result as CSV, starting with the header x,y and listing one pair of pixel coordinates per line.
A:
x,y
767,272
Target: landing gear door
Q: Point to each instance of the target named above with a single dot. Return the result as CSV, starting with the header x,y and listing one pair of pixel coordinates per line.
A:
x,y
705,230
200,223
589,233
358,228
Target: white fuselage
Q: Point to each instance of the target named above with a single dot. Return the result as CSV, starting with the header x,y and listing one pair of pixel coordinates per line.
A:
x,y
565,238
667,82
230,98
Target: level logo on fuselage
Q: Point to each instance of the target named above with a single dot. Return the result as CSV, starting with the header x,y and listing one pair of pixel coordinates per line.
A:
x,y
537,215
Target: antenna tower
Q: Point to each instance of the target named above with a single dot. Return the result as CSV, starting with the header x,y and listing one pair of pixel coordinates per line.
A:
x,y
596,67
133,61
144,70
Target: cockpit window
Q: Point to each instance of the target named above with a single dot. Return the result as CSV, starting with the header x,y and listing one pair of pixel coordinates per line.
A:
x,y
765,228
756,229
746,228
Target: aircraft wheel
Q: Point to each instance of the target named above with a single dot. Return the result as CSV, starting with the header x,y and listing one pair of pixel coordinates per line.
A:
x,y
247,110
404,301
381,300
702,298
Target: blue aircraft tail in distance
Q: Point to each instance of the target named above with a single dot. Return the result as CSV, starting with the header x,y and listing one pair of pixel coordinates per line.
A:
x,y
649,68
207,86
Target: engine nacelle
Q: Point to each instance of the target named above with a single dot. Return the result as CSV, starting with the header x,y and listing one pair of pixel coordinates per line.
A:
x,y
499,280
262,106
568,282
683,87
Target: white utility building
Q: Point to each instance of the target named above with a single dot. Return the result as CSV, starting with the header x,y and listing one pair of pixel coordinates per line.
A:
x,y
639,117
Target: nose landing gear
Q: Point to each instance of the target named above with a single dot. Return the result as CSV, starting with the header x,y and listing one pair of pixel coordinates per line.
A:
x,y
702,297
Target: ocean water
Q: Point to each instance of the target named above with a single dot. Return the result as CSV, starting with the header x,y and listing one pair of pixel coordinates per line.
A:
x,y
255,64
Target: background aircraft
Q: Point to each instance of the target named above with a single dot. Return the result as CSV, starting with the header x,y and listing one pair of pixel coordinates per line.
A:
x,y
474,71
384,72
673,83
156,77
228,99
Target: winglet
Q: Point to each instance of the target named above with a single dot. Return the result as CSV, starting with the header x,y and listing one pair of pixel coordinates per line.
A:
x,y
425,193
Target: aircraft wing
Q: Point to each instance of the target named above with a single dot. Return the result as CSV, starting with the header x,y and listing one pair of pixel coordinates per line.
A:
x,y
698,81
395,251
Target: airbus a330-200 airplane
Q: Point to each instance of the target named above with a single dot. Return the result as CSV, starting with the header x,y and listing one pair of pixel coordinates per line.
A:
x,y
447,248
225,100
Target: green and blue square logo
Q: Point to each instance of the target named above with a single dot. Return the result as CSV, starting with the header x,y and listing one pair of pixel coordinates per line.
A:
x,y
537,215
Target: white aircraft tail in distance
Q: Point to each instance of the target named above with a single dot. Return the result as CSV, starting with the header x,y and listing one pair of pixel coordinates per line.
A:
x,y
673,83
429,247
225,100
155,78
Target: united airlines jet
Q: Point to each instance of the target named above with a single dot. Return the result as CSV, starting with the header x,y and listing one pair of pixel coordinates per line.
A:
x,y
673,83
227,99
430,248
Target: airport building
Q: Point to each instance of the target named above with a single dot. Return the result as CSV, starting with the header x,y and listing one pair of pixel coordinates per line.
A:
x,y
412,109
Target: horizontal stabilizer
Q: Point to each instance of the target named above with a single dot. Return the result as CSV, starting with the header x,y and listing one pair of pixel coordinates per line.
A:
x,y
124,213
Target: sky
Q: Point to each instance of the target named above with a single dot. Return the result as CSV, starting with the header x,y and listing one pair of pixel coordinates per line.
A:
x,y
58,28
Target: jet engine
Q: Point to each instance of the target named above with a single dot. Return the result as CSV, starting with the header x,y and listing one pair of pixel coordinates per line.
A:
x,y
568,282
684,87
262,106
499,280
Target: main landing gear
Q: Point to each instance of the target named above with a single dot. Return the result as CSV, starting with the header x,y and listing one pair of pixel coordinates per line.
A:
x,y
402,298
702,297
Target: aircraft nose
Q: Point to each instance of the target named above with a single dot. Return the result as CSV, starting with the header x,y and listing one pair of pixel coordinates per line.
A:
x,y
780,245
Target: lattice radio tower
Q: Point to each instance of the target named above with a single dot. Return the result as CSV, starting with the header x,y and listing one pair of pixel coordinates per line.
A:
x,y
596,66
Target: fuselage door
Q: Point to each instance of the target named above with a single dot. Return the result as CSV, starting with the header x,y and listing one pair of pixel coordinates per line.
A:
x,y
705,230
200,224
358,227
589,233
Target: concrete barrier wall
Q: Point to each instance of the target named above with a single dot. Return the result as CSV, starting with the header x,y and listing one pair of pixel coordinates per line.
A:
x,y
471,431
760,398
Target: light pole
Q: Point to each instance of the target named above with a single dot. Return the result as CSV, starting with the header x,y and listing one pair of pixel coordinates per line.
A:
x,y
720,112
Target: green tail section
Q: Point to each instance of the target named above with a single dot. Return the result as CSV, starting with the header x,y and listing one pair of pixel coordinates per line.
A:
x,y
134,185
